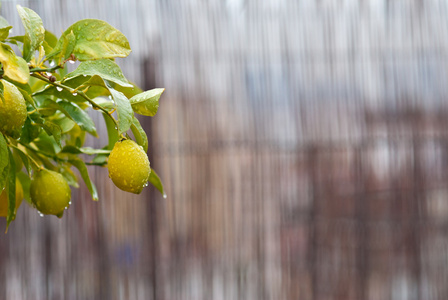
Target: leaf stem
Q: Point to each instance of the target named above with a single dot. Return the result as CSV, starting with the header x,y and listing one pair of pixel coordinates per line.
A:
x,y
51,70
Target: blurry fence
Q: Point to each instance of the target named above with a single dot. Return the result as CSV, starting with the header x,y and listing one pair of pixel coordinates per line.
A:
x,y
303,146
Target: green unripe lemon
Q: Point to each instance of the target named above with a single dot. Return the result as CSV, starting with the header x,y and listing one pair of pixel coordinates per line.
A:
x,y
129,166
50,192
12,111
4,199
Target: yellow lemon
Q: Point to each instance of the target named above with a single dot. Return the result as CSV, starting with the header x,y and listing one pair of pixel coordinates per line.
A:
x,y
12,111
50,192
4,199
129,166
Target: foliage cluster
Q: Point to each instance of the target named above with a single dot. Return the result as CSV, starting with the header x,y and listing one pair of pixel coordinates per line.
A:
x,y
44,115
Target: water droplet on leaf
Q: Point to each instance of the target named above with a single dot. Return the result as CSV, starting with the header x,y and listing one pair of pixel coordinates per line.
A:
x,y
59,88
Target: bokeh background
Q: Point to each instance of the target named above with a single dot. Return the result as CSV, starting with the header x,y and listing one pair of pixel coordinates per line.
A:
x,y
303,146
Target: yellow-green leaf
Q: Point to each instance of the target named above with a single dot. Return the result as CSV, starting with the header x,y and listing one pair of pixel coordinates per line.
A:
x,y
147,103
4,161
11,191
4,32
34,31
81,166
14,67
95,39
154,179
139,134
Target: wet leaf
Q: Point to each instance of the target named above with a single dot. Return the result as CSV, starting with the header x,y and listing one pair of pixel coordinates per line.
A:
x,y
11,191
34,31
139,134
4,161
154,179
112,132
4,32
124,110
147,103
78,115
95,39
14,67
81,166
4,28
105,68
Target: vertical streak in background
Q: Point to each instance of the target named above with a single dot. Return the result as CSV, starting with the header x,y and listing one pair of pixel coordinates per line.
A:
x,y
312,253
155,272
362,224
417,202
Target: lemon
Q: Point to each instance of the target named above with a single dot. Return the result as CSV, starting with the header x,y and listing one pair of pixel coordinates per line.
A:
x,y
4,199
12,111
50,192
129,166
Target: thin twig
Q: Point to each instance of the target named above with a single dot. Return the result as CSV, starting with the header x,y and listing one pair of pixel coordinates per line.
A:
x,y
80,93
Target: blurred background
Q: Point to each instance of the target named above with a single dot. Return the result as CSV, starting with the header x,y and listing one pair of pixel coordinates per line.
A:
x,y
303,146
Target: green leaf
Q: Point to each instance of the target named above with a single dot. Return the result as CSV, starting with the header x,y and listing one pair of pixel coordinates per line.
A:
x,y
63,94
122,104
4,32
86,150
95,39
100,160
147,103
51,40
139,134
104,103
4,161
54,130
69,176
154,179
65,123
2,96
4,28
14,67
26,161
17,159
105,68
47,144
27,96
34,31
30,132
124,110
129,92
81,166
24,86
79,116
112,132
25,181
68,45
17,38
11,191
